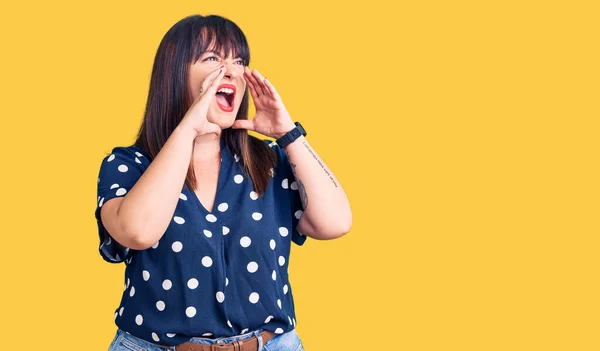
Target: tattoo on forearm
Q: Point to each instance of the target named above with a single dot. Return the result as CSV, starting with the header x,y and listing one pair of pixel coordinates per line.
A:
x,y
319,162
301,190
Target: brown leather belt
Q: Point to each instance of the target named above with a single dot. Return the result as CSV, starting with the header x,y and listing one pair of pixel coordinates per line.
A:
x,y
250,344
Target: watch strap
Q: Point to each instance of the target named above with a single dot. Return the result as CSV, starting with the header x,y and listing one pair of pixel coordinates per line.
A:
x,y
292,135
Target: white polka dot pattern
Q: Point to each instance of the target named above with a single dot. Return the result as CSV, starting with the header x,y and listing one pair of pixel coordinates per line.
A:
x,y
207,261
184,277
167,285
193,283
190,311
245,241
252,267
254,297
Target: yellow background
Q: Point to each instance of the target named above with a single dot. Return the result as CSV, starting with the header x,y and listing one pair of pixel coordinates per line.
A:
x,y
465,134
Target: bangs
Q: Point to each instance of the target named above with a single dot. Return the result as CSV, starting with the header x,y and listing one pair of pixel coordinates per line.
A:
x,y
222,36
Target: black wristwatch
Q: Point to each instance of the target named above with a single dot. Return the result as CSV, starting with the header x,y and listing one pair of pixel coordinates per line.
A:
x,y
291,135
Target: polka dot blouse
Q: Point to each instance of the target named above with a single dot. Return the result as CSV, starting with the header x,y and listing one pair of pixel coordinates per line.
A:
x,y
212,274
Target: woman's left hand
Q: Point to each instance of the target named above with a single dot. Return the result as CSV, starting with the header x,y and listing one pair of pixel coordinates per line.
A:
x,y
271,118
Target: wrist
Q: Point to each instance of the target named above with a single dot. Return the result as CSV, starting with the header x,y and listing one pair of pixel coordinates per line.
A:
x,y
285,130
293,134
185,131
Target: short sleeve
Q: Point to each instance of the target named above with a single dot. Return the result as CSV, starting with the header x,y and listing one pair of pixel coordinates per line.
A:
x,y
119,172
287,178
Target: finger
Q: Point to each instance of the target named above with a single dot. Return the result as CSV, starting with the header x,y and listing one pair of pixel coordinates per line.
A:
x,y
250,87
216,75
251,83
243,124
212,77
213,128
256,83
258,78
212,89
271,89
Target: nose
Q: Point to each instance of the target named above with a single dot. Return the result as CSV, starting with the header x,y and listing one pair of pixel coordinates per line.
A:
x,y
231,71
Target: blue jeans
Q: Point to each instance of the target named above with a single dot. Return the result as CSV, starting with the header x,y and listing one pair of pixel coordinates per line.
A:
x,y
289,341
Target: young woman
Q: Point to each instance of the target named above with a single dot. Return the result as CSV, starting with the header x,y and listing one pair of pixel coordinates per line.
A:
x,y
202,213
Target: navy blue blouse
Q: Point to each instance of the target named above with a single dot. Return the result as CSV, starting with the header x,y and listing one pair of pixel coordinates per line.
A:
x,y
212,274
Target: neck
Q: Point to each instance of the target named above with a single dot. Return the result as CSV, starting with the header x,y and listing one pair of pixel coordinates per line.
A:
x,y
206,148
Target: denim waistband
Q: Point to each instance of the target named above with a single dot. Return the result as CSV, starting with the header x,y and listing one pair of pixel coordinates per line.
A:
x,y
143,344
227,339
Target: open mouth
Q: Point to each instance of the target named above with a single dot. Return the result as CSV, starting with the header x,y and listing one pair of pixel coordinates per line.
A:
x,y
225,97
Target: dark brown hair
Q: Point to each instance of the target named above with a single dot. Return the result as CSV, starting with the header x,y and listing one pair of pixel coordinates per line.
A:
x,y
169,97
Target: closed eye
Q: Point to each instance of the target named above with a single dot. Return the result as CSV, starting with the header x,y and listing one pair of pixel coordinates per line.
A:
x,y
239,62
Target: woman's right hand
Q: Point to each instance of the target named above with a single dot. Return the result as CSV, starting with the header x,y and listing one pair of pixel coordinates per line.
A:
x,y
196,117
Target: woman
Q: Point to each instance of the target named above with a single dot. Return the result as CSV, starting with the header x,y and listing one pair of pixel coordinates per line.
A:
x,y
202,213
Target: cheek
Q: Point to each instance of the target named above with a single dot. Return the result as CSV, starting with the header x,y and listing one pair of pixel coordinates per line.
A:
x,y
198,75
241,96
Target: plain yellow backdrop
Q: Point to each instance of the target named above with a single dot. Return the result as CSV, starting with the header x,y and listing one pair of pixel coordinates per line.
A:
x,y
465,134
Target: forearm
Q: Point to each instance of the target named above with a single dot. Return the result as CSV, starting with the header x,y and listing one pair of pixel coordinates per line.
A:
x,y
148,207
323,198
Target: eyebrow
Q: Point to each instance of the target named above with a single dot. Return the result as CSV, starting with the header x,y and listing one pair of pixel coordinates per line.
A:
x,y
216,53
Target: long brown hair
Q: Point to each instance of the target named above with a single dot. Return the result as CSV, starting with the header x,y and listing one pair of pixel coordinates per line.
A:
x,y
169,97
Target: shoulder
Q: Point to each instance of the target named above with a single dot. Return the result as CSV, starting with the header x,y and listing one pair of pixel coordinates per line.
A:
x,y
283,168
129,153
124,160
281,155
270,142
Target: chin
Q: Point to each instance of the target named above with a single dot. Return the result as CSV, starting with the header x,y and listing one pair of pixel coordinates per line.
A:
x,y
223,119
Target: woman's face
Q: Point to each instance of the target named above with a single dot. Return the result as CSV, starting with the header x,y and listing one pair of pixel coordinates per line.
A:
x,y
224,106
